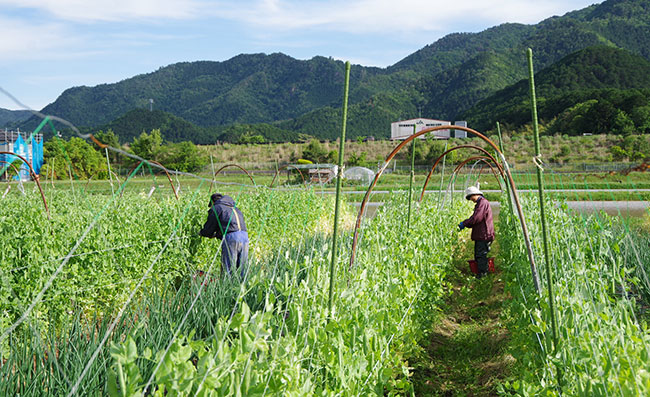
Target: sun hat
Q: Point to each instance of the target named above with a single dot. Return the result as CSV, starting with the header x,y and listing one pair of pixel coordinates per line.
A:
x,y
472,190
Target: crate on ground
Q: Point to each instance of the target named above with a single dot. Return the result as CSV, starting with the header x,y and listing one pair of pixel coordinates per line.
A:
x,y
473,266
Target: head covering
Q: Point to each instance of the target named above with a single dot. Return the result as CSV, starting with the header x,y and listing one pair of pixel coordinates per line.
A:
x,y
214,198
472,190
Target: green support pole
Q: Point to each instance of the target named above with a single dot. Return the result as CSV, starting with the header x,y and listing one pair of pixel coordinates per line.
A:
x,y
507,182
339,171
408,221
442,176
540,183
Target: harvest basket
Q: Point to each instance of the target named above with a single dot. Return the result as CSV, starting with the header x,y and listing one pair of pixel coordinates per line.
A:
x,y
473,266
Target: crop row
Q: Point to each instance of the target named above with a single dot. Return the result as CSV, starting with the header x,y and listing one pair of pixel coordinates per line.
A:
x,y
182,335
599,271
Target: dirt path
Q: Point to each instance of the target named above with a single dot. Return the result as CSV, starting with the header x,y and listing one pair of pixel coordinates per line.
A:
x,y
466,354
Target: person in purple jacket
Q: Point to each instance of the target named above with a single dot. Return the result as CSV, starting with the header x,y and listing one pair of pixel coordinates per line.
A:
x,y
482,228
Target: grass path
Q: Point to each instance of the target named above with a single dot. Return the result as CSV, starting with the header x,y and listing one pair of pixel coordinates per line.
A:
x,y
466,354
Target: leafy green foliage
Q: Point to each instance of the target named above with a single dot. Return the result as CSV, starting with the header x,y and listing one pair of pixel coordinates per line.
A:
x,y
269,334
247,88
597,265
583,90
73,158
172,128
633,148
182,156
427,152
316,153
256,133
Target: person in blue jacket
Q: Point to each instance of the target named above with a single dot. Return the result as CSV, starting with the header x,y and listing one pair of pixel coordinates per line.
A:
x,y
226,222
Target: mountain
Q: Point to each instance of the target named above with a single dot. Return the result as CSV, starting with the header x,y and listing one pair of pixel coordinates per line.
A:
x,y
172,128
247,88
9,118
443,80
578,77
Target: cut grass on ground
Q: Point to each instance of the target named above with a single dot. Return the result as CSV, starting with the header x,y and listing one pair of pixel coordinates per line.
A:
x,y
466,353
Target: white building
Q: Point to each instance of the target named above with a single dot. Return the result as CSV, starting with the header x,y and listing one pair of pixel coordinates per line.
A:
x,y
400,130
460,133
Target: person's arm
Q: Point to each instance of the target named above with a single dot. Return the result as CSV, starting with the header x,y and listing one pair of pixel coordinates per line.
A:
x,y
211,228
478,216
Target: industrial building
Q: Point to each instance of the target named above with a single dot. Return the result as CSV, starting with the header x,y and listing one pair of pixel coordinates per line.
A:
x,y
27,145
400,130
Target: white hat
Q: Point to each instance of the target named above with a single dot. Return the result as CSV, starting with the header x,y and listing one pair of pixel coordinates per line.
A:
x,y
472,190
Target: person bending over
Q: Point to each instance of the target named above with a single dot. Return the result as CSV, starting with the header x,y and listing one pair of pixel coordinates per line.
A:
x,y
226,222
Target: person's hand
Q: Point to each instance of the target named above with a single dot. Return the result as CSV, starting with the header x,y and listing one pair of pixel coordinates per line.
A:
x,y
461,226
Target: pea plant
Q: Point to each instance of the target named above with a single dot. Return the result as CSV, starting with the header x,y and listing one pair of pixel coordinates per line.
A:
x,y
603,341
269,333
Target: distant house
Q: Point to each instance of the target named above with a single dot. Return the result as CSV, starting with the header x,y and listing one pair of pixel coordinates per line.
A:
x,y
400,130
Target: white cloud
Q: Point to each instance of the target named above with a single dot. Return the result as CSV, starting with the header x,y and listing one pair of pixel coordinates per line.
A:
x,y
356,16
386,16
22,41
111,10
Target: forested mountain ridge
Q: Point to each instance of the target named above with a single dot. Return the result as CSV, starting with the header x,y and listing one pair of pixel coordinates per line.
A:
x,y
9,117
250,88
443,79
599,73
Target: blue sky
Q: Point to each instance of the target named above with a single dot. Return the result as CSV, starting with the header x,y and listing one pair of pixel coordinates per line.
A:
x,y
47,46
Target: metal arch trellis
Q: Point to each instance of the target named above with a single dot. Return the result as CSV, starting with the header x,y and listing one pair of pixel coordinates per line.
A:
x,y
232,165
17,171
161,167
12,165
35,177
435,164
477,159
286,167
399,147
482,159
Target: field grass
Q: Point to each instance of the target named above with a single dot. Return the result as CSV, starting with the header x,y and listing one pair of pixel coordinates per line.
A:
x,y
518,149
568,186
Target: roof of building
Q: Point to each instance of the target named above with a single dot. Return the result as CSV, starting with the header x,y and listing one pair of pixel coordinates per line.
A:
x,y
421,118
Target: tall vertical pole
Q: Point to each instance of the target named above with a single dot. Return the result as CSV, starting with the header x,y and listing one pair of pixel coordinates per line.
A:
x,y
408,220
212,180
507,182
442,176
339,172
540,183
108,163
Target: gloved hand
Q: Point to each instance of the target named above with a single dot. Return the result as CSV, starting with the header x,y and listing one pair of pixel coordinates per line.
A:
x,y
461,226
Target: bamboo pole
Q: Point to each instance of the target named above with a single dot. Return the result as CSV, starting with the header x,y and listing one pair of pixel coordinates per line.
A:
x,y
408,220
108,163
442,177
338,187
505,179
540,184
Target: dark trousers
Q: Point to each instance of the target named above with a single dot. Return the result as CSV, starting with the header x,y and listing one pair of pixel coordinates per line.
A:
x,y
481,249
234,252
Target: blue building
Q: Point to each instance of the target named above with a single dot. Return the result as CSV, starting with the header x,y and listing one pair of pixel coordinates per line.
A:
x,y
27,145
